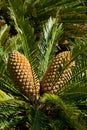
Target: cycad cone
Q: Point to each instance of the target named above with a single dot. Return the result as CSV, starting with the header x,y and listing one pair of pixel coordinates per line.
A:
x,y
21,73
56,76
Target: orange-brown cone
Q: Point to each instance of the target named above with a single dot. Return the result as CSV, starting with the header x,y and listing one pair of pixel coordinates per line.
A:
x,y
21,73
55,77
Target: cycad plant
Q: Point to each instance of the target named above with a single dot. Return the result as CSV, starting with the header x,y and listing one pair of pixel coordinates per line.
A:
x,y
41,89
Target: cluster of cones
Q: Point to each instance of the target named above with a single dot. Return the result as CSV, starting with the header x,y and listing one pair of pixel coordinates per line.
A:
x,y
57,75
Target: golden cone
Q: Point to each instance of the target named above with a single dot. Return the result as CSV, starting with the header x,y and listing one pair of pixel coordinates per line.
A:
x,y
21,73
55,77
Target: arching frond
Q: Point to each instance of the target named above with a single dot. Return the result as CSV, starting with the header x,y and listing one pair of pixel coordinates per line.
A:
x,y
69,113
12,113
51,33
76,89
22,25
38,120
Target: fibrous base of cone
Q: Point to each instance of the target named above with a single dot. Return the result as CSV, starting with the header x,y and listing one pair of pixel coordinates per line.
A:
x,y
57,74
21,74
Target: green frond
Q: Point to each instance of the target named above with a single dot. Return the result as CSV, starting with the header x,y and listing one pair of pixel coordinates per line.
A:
x,y
22,25
76,89
38,120
13,113
69,113
51,34
70,12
